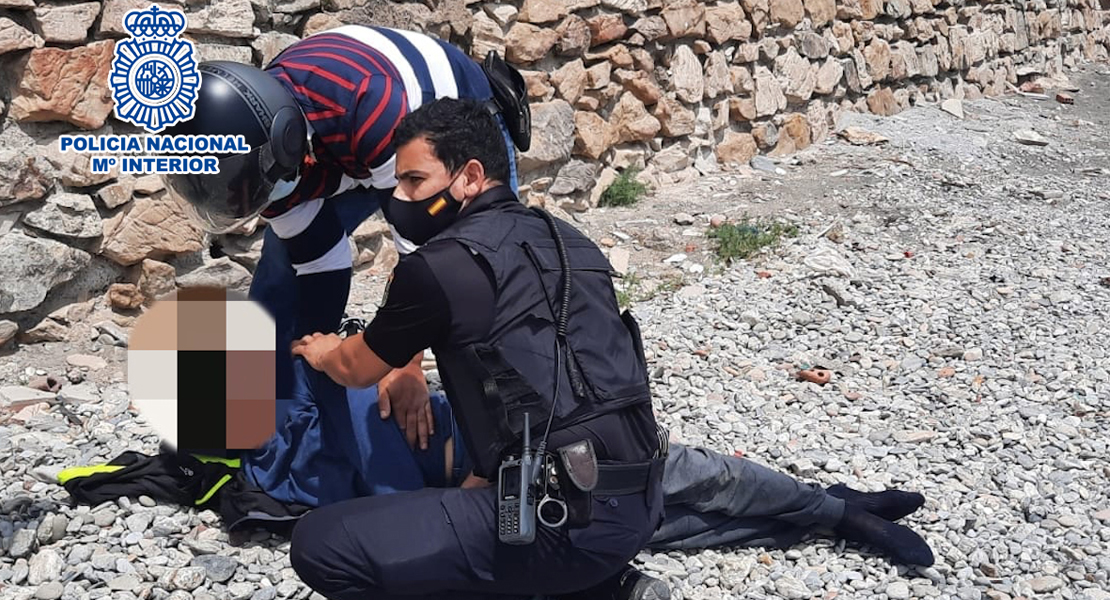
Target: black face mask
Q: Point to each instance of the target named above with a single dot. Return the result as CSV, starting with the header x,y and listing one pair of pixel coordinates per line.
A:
x,y
421,220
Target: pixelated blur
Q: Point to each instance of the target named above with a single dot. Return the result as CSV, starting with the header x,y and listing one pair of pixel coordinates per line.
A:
x,y
200,368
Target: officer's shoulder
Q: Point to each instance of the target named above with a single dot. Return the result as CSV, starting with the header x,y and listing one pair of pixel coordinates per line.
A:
x,y
416,271
571,233
439,250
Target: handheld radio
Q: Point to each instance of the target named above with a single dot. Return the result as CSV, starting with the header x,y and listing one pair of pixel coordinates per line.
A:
x,y
516,495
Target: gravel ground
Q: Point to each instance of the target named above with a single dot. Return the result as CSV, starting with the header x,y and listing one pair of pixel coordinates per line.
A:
x,y
952,279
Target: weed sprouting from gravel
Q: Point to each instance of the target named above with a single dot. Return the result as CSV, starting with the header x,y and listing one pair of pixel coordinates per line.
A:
x,y
625,191
742,240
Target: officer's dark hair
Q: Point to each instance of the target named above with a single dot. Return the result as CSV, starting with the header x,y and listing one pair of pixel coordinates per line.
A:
x,y
459,131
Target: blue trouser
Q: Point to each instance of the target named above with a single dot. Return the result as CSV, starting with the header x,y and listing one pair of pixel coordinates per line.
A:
x,y
274,284
331,445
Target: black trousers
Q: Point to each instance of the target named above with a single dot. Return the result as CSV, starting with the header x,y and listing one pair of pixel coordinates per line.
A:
x,y
442,543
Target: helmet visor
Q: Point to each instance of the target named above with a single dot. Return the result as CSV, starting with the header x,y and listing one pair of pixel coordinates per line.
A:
x,y
221,202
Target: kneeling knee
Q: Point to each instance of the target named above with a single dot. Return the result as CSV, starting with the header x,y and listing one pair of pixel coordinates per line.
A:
x,y
325,557
313,544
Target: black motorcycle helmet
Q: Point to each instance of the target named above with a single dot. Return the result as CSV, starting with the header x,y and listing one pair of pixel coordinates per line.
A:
x,y
238,99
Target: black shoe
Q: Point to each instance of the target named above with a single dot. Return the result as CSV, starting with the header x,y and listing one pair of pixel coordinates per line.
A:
x,y
635,585
895,541
890,505
629,584
350,326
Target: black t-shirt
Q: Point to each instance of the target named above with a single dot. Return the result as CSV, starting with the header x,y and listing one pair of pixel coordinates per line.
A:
x,y
422,312
417,313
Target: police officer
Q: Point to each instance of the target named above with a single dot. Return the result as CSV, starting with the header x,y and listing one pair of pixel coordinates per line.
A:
x,y
521,314
320,120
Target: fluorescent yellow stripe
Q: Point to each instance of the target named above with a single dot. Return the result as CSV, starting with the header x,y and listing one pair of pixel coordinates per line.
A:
x,y
437,206
72,472
231,462
219,484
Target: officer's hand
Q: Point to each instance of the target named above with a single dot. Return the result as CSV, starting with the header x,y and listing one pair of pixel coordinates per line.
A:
x,y
315,347
404,394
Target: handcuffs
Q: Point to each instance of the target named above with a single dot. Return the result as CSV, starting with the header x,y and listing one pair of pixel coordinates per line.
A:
x,y
572,474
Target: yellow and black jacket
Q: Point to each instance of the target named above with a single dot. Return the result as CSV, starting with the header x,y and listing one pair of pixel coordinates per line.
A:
x,y
204,482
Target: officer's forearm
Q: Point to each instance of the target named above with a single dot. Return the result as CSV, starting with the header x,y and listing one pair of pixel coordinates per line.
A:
x,y
354,364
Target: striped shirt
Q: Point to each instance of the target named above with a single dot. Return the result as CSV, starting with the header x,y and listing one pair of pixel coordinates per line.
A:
x,y
355,84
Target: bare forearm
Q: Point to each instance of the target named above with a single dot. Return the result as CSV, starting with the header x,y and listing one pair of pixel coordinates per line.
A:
x,y
338,367
348,364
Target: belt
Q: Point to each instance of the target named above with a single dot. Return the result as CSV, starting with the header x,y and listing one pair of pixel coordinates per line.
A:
x,y
625,478
620,478
598,478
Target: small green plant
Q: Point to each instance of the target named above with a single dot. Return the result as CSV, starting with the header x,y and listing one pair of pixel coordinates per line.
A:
x,y
739,241
627,289
670,283
625,191
633,289
623,299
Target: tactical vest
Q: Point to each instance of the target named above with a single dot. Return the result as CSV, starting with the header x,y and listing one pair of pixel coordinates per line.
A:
x,y
492,384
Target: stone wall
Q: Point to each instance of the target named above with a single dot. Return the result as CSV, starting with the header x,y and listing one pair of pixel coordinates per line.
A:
x,y
672,88
677,87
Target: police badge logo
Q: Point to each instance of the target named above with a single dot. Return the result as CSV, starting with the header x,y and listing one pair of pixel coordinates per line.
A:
x,y
154,76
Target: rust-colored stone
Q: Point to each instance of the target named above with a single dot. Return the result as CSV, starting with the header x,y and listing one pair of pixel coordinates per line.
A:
x,y
606,28
593,134
736,148
674,118
574,36
150,227
125,296
65,85
882,102
528,43
685,18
